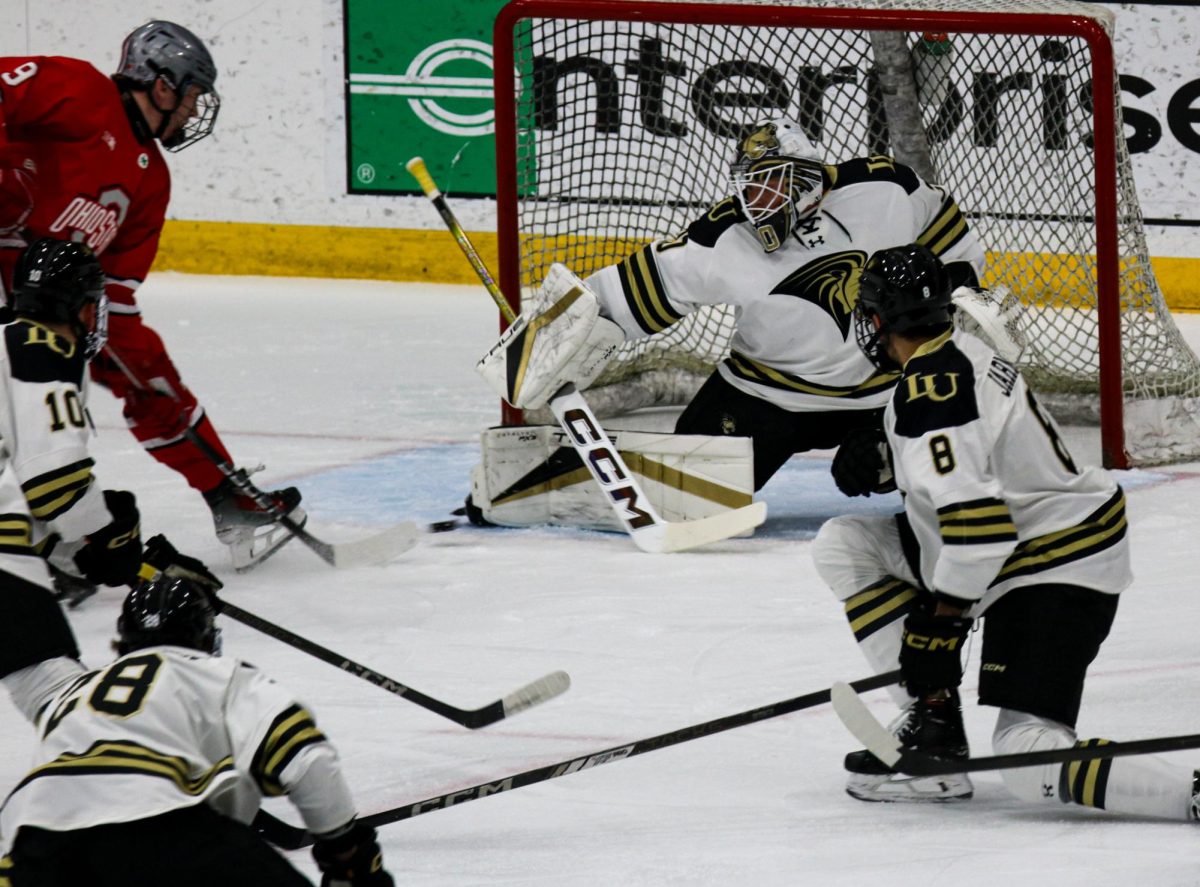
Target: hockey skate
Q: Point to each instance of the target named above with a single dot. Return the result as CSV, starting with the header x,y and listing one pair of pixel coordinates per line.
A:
x,y
931,726
252,532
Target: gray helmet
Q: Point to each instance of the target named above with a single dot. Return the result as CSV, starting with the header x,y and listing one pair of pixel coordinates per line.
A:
x,y
172,52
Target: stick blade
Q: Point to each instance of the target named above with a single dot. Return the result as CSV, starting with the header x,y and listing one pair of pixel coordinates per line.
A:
x,y
535,693
377,549
866,728
684,535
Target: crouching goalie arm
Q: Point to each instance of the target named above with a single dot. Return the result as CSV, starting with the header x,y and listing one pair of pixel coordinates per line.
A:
x,y
563,339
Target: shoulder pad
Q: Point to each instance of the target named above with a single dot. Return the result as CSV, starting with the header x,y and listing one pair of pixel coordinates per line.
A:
x,y
936,391
35,354
707,229
877,168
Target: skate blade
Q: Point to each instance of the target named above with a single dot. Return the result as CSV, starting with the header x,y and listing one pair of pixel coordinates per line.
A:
x,y
898,788
248,552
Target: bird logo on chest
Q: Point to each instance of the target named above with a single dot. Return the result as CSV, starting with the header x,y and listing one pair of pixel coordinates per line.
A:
x,y
829,282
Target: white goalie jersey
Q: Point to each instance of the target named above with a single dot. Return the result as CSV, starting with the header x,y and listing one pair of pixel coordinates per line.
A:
x,y
164,728
990,489
794,344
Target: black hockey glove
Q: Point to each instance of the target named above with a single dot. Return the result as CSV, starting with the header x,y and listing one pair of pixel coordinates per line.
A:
x,y
863,464
113,553
351,859
930,652
160,556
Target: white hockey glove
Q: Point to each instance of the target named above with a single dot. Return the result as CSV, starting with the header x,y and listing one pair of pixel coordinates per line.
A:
x,y
566,341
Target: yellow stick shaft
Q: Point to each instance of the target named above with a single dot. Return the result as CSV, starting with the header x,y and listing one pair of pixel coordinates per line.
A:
x,y
420,172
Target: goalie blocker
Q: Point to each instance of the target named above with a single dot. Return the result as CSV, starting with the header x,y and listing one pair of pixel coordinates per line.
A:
x,y
532,475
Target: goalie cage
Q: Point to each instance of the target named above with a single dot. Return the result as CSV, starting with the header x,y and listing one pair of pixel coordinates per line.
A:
x,y
619,124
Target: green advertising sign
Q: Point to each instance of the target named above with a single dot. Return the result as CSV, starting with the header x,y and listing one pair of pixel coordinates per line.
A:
x,y
419,82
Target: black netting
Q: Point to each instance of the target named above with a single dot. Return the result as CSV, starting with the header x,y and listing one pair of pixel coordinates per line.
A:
x,y
626,129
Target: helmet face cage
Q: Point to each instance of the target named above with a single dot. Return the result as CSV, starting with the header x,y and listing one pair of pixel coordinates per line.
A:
x,y
198,126
96,338
172,52
776,188
870,340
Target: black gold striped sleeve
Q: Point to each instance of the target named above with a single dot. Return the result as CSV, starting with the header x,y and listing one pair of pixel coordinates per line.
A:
x,y
1101,530
290,732
645,295
879,605
948,227
52,493
976,522
16,533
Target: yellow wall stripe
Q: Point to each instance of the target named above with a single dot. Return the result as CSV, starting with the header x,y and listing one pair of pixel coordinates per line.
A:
x,y
433,256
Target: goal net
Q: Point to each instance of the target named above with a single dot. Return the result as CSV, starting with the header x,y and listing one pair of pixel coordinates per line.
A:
x,y
620,123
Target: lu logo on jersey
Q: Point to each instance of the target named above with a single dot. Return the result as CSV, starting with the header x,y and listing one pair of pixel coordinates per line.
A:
x,y
829,282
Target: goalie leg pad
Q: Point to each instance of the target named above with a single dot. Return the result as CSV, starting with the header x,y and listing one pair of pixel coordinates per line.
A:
x,y
566,341
531,475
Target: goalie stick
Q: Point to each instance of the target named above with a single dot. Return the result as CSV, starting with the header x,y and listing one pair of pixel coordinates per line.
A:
x,y
535,693
377,549
868,730
628,500
290,837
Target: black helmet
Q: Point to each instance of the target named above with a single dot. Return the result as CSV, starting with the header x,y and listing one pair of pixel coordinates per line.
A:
x,y
778,177
168,610
54,280
907,288
171,51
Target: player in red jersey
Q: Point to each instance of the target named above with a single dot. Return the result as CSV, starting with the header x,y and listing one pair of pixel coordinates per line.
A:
x,y
79,161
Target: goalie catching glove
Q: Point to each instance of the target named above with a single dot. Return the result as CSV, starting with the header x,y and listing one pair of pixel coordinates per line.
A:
x,y
566,341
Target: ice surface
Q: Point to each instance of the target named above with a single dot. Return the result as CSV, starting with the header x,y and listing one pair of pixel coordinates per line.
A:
x,y
363,394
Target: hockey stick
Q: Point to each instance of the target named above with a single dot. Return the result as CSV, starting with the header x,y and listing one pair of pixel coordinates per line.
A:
x,y
535,693
377,549
629,502
868,730
290,837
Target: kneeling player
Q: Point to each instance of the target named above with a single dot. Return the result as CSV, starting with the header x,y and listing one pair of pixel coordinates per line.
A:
x,y
999,523
150,769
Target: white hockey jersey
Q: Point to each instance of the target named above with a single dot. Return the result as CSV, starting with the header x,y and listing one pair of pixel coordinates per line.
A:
x,y
990,490
46,481
165,728
794,342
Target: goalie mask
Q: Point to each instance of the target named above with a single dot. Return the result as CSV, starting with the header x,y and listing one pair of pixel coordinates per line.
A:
x,y
172,52
778,178
908,289
54,281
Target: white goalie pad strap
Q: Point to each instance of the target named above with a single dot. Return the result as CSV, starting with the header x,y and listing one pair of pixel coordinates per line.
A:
x,y
566,341
531,476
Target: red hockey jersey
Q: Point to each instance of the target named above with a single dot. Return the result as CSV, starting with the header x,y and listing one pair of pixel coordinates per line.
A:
x,y
95,182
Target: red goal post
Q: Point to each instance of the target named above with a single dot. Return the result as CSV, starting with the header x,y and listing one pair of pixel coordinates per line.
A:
x,y
527,245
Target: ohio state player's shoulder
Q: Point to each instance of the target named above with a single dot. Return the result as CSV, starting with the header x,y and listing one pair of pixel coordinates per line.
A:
x,y
876,169
82,96
35,354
